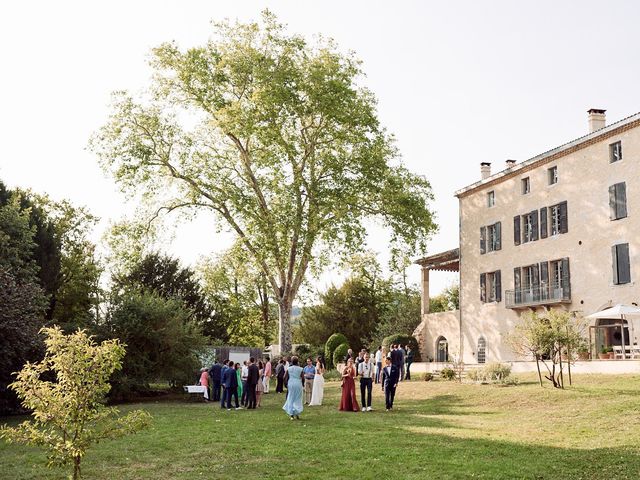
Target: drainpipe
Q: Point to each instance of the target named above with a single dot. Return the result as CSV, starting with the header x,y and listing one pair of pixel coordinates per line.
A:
x,y
460,296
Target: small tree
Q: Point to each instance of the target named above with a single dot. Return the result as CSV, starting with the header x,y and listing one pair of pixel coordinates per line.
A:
x,y
68,413
546,337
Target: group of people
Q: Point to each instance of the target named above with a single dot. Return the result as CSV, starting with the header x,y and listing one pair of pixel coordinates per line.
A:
x,y
245,384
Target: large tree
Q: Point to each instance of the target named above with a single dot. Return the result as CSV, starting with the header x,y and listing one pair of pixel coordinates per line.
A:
x,y
279,139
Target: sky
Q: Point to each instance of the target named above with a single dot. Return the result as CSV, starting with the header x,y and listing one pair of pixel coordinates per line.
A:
x,y
458,83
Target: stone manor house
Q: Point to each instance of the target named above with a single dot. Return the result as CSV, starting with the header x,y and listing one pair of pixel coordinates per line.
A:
x,y
560,230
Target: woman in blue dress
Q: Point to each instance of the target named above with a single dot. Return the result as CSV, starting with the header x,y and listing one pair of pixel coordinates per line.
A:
x,y
293,405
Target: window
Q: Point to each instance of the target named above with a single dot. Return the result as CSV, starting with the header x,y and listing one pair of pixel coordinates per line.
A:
x,y
482,350
558,219
621,267
490,287
615,152
526,185
556,272
490,238
553,175
442,349
530,227
618,201
491,198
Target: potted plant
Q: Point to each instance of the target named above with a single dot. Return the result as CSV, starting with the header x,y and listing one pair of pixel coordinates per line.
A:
x,y
606,353
583,352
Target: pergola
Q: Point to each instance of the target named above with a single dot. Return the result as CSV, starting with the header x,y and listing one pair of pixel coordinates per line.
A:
x,y
620,313
448,261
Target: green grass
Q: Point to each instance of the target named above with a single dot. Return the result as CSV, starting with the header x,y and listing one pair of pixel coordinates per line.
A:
x,y
440,430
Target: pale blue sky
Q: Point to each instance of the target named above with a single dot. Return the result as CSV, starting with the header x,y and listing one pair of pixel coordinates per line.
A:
x,y
458,83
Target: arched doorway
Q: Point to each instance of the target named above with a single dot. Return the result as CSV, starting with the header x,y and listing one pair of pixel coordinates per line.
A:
x,y
442,349
482,350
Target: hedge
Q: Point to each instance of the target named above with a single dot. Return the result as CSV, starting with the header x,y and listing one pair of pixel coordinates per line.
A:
x,y
339,353
332,343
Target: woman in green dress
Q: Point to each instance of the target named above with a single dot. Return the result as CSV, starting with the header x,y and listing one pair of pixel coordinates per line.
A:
x,y
238,372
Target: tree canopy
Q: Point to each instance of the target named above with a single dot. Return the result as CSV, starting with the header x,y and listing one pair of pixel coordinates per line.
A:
x,y
279,139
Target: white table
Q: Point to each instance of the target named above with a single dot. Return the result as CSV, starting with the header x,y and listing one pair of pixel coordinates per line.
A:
x,y
197,389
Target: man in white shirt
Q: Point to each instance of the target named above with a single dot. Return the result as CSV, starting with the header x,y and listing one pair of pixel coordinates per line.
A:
x,y
244,373
365,370
378,364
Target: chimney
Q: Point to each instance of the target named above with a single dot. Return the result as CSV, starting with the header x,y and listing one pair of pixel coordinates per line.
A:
x,y
596,119
485,170
510,163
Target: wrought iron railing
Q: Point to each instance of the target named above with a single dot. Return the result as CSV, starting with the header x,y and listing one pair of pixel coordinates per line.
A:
x,y
543,294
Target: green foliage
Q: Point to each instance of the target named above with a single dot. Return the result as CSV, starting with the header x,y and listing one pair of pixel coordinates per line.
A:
x,y
339,353
162,338
330,346
286,150
239,294
303,351
448,373
449,299
22,307
494,372
162,274
68,414
17,245
350,309
545,336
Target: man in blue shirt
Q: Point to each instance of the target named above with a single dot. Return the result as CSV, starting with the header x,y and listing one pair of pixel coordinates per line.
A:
x,y
309,373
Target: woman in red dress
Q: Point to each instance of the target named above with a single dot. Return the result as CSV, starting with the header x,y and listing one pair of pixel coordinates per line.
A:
x,y
349,402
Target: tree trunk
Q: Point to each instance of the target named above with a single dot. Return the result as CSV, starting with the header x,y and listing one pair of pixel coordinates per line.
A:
x,y
76,468
538,365
284,325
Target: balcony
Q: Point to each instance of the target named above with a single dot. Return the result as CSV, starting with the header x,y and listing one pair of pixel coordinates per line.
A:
x,y
544,294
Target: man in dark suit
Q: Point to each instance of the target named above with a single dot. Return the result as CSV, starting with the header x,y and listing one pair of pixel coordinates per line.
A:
x,y
396,357
230,382
390,377
223,397
215,372
253,376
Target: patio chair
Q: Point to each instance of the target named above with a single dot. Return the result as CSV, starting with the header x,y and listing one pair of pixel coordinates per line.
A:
x,y
617,352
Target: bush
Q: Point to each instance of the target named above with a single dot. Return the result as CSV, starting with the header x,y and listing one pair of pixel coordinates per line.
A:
x,y
491,373
448,373
302,351
427,377
332,375
332,343
340,352
403,340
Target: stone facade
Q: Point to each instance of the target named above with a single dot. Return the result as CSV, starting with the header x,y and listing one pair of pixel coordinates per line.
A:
x,y
570,266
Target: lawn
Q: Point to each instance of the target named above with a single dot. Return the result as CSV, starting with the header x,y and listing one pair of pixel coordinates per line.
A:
x,y
440,430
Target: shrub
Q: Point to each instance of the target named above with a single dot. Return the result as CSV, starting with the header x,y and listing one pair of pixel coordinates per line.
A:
x,y
332,343
491,373
332,375
403,340
427,377
497,371
448,373
340,352
302,351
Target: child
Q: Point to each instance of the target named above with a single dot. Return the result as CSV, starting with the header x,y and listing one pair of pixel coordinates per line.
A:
x,y
390,377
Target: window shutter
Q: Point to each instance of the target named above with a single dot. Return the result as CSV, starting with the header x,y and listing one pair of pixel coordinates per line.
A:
x,y
612,202
498,233
498,282
614,261
621,200
535,282
566,278
544,272
516,285
534,225
564,218
516,230
483,287
483,240
543,223
624,269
